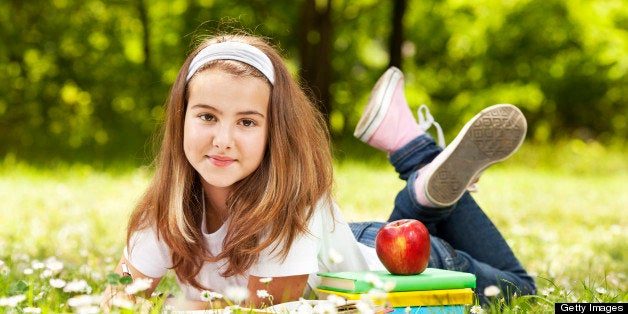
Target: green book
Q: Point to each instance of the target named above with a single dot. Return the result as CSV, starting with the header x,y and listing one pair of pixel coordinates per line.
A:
x,y
430,279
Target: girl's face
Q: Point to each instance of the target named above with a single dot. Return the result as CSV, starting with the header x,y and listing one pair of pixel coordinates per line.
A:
x,y
226,126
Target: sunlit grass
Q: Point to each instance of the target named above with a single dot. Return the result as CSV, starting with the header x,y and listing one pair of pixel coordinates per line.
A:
x,y
70,212
565,221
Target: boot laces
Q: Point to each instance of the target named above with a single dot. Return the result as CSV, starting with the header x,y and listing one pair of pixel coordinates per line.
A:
x,y
426,120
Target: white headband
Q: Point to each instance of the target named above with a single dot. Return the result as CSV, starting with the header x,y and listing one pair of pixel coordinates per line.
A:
x,y
232,50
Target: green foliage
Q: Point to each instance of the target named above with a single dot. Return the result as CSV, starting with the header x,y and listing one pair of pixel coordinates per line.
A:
x,y
87,80
18,287
115,279
548,57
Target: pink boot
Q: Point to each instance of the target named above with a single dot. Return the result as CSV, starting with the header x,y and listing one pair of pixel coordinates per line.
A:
x,y
387,122
491,136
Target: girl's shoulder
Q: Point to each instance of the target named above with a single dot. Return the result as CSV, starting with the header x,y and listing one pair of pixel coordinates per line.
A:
x,y
328,224
338,248
148,252
328,213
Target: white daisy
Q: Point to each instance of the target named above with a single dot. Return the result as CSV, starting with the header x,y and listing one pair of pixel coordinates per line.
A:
x,y
476,309
139,284
491,291
236,294
57,283
263,294
77,286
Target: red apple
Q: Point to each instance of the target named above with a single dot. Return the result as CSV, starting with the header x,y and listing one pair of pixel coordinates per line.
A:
x,y
403,246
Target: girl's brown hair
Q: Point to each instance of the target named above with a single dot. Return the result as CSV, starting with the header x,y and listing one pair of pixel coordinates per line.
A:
x,y
272,205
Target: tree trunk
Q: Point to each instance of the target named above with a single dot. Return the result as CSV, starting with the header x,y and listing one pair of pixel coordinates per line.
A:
x,y
315,51
143,12
396,38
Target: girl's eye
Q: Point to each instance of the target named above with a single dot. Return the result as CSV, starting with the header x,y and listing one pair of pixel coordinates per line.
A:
x,y
207,117
248,122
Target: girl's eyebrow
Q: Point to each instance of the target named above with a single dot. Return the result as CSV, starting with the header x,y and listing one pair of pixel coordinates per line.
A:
x,y
241,113
205,106
251,112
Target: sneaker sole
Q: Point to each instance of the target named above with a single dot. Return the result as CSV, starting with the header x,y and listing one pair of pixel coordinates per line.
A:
x,y
378,104
491,136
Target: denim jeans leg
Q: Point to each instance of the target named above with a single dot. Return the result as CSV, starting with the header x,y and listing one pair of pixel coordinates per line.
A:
x,y
470,231
406,161
414,155
463,237
510,281
365,232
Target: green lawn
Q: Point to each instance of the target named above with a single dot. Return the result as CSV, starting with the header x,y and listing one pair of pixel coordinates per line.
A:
x,y
561,208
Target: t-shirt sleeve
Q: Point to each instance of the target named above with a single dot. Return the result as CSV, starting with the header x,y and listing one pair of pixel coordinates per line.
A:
x,y
148,254
328,246
301,259
339,249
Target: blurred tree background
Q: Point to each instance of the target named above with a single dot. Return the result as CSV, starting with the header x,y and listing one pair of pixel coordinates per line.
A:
x,y
86,80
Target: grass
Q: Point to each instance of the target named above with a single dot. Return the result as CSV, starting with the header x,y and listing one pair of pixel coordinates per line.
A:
x,y
561,208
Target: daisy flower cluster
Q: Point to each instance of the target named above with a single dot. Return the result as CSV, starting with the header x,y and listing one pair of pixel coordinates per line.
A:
x,y
35,286
50,286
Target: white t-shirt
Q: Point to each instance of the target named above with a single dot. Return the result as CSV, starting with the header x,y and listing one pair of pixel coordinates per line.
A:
x,y
329,246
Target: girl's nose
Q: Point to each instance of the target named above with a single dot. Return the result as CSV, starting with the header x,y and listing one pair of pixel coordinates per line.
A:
x,y
223,137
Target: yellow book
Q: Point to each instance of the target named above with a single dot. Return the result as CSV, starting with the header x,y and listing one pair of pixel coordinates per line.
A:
x,y
410,298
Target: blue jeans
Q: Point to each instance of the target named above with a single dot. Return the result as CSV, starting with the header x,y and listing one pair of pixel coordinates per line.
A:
x,y
462,237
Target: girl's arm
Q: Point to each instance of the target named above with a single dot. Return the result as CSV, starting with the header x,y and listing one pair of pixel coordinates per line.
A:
x,y
111,292
282,289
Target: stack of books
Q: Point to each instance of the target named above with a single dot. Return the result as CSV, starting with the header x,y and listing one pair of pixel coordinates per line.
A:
x,y
432,291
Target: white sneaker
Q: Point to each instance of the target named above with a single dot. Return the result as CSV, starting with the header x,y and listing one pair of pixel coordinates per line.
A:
x,y
491,136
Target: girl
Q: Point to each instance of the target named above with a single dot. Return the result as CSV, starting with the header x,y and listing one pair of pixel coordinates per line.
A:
x,y
462,238
242,189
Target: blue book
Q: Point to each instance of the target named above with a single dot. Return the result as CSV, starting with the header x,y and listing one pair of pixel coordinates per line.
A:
x,y
438,309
